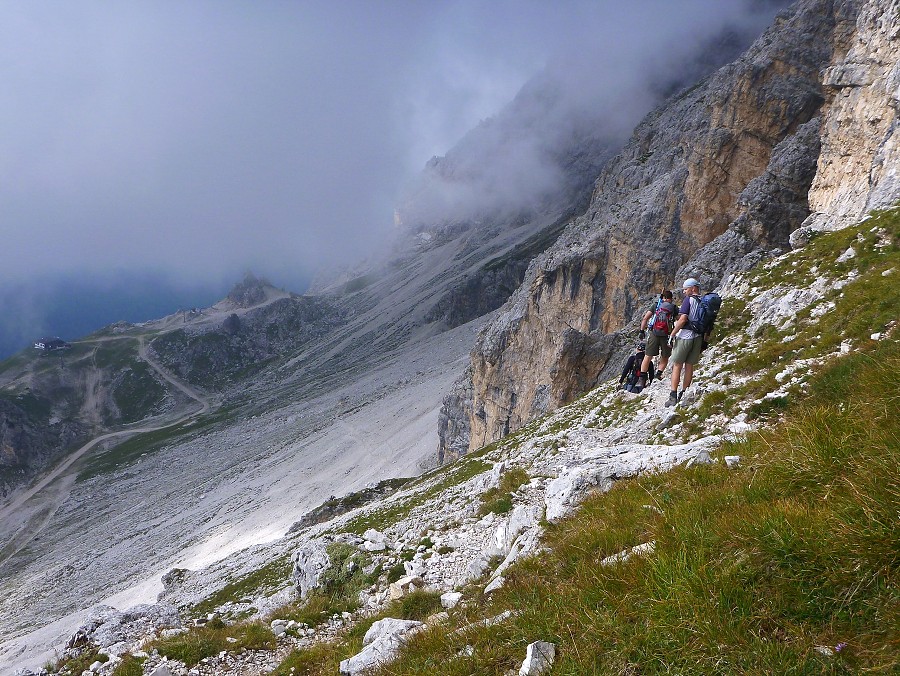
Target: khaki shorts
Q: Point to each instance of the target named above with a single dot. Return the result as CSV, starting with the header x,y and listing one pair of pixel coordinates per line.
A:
x,y
687,350
658,345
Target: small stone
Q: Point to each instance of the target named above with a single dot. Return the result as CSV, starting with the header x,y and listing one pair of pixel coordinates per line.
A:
x,y
450,599
161,670
539,658
495,584
732,460
875,336
824,650
847,255
95,666
702,458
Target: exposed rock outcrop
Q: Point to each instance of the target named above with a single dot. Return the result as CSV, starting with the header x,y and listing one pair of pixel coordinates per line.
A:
x,y
858,167
31,441
736,150
217,356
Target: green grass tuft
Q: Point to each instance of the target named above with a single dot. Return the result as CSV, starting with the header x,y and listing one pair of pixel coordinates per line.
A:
x,y
200,642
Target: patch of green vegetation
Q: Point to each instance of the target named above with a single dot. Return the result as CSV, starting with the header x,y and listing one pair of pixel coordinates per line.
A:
x,y
138,393
395,572
754,567
201,642
499,499
79,664
358,284
130,666
266,580
133,448
338,590
417,605
454,474
115,354
334,507
324,659
36,408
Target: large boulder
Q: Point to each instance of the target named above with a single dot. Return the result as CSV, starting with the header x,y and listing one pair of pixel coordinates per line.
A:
x,y
565,492
380,645
310,563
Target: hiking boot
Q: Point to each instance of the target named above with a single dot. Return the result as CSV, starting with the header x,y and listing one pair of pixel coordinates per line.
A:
x,y
658,374
680,395
641,382
672,400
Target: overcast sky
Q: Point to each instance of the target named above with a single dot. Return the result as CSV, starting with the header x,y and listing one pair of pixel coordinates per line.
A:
x,y
201,139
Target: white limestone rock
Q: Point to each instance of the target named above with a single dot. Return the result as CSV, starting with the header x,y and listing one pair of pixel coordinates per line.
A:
x,y
847,255
310,562
450,600
539,658
374,541
161,670
565,491
380,645
645,549
702,458
520,519
495,584
405,585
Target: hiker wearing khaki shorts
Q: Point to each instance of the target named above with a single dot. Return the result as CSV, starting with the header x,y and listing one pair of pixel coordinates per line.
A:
x,y
687,344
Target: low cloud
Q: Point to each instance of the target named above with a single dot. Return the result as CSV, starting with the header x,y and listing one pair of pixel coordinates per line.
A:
x,y
203,139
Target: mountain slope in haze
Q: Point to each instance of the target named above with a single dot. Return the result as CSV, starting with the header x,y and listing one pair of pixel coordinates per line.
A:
x,y
352,401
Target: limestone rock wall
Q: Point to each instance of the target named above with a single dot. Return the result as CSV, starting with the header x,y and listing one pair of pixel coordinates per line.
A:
x,y
858,166
688,175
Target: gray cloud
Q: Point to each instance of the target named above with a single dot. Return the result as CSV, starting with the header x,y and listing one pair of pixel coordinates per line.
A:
x,y
202,139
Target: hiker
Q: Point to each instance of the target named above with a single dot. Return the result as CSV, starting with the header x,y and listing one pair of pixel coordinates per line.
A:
x,y
659,321
631,370
686,343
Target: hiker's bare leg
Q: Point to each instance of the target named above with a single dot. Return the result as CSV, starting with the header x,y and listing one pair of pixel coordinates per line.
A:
x,y
676,375
646,363
688,375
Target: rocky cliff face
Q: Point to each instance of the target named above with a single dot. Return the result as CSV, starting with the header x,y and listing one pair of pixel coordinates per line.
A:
x,y
31,440
715,178
857,169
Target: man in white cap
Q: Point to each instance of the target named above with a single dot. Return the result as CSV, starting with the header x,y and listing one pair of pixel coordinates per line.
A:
x,y
687,344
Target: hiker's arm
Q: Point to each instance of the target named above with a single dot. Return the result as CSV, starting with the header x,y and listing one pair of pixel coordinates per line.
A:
x,y
680,324
647,315
628,366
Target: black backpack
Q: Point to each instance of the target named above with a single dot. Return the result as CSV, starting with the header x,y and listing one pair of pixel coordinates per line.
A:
x,y
706,314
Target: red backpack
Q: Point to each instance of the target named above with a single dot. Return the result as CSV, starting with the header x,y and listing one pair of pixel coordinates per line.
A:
x,y
662,320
